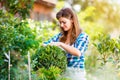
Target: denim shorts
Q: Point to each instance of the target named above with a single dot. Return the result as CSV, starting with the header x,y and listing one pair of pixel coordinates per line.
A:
x,y
75,73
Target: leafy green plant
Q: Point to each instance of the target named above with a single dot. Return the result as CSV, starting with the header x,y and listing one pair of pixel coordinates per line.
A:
x,y
105,59
17,37
53,73
47,56
108,48
19,8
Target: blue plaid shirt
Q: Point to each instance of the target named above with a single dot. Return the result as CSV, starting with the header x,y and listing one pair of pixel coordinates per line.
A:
x,y
81,43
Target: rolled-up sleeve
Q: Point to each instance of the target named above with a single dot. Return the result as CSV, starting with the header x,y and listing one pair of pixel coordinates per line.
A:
x,y
82,43
53,39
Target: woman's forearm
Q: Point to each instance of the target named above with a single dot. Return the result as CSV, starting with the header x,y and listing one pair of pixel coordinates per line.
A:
x,y
70,49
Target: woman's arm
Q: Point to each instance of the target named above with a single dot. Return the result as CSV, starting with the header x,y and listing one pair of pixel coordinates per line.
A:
x,y
80,47
70,49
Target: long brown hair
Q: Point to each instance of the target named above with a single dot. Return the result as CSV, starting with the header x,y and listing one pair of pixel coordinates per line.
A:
x,y
69,14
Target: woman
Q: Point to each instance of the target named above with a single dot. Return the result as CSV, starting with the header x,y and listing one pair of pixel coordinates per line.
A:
x,y
74,41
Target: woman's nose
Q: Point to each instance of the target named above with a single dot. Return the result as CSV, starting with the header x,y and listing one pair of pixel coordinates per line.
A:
x,y
61,25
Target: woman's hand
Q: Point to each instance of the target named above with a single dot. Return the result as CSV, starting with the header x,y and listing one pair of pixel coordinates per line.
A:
x,y
56,43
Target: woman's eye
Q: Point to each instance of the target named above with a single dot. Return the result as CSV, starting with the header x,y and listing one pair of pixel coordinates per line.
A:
x,y
64,22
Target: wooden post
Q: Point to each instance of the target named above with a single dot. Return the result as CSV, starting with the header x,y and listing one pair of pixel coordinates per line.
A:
x,y
9,66
8,61
29,65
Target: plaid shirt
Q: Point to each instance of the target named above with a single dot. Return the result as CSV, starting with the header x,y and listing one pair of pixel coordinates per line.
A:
x,y
80,43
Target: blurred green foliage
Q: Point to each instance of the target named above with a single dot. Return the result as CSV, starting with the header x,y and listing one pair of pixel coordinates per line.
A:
x,y
19,8
108,48
17,37
88,22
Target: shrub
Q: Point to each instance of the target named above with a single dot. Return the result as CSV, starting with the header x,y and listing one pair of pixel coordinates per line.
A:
x,y
47,56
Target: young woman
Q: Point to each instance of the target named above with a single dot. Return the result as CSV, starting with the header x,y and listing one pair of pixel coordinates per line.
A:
x,y
74,41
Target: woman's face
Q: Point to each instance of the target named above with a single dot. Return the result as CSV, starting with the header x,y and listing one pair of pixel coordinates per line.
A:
x,y
65,24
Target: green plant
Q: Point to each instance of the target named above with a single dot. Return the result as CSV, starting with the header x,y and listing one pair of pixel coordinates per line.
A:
x,y
17,37
105,59
53,73
19,8
108,48
47,56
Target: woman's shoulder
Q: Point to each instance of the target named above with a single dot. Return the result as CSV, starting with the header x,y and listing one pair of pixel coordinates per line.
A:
x,y
82,37
82,34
